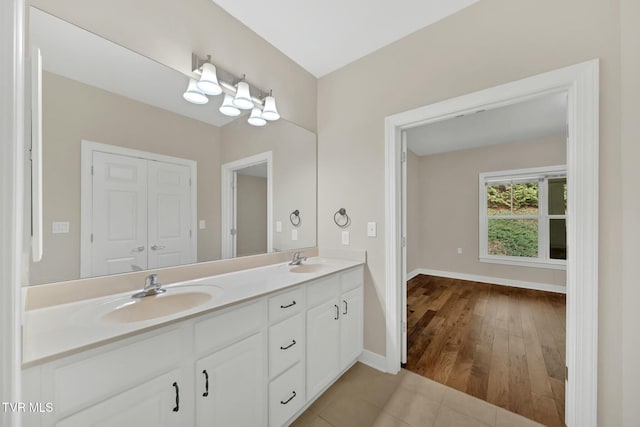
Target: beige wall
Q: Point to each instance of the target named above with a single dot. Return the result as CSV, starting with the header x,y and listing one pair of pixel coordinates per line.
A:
x,y
294,173
630,33
74,111
251,217
169,31
448,220
489,43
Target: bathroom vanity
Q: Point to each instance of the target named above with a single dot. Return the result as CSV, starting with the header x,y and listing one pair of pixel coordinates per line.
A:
x,y
255,348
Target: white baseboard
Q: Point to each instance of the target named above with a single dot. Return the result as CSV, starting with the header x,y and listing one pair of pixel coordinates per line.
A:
x,y
492,280
414,273
374,360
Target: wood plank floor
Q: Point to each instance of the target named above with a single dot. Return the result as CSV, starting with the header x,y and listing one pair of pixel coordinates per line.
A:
x,y
501,344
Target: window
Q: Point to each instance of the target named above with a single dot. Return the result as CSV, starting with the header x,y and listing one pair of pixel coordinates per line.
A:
x,y
523,216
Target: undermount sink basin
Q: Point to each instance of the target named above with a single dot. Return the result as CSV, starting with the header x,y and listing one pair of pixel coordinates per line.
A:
x,y
174,301
307,268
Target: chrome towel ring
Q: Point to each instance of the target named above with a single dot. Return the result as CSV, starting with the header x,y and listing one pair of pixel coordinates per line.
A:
x,y
343,219
294,217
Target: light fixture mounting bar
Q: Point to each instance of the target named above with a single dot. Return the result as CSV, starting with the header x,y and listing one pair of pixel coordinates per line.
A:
x,y
228,80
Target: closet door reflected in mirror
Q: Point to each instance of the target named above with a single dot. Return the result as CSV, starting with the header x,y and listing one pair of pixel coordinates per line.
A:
x,y
137,213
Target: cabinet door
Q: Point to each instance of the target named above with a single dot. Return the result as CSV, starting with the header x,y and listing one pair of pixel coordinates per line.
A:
x,y
323,340
351,326
231,386
153,403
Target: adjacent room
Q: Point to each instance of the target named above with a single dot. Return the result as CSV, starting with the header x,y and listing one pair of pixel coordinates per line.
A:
x,y
486,248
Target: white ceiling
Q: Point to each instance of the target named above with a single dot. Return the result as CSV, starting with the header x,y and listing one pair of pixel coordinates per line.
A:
x,y
537,118
324,35
77,54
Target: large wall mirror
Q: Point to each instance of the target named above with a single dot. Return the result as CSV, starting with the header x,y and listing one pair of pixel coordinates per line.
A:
x,y
135,177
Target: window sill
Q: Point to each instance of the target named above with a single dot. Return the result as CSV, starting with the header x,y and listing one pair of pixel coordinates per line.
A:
x,y
524,263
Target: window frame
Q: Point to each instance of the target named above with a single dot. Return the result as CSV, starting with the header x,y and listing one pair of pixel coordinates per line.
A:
x,y
542,174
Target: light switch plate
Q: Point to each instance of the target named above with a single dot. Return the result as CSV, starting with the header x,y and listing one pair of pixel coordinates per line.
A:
x,y
278,226
294,234
372,229
345,237
459,251
202,224
60,227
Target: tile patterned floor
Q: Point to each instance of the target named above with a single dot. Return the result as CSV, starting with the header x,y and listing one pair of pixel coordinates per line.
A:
x,y
365,397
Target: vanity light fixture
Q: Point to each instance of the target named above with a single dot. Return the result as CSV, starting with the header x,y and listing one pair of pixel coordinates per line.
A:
x,y
256,118
270,112
208,82
227,108
239,94
195,95
242,99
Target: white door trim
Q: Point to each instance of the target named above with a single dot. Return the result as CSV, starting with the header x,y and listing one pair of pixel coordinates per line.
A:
x,y
12,146
227,205
86,194
581,82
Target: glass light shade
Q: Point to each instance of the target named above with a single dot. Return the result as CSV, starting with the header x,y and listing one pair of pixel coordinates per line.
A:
x,y
242,99
209,80
270,112
195,95
256,118
227,108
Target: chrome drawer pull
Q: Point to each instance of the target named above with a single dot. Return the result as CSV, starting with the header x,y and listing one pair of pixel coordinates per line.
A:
x,y
289,399
293,342
337,312
290,305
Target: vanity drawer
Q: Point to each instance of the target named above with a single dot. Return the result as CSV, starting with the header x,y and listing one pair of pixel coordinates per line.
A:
x,y
351,279
286,304
286,344
229,326
322,290
286,396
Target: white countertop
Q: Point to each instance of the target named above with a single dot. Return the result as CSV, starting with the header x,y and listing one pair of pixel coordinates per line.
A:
x,y
57,331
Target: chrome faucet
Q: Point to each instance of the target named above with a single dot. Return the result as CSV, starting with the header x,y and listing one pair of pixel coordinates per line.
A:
x,y
297,259
151,287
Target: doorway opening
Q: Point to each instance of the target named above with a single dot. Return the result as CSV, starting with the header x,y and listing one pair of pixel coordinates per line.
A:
x,y
486,217
580,83
247,191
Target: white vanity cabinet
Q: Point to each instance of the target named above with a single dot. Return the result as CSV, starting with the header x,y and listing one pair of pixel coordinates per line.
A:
x,y
256,363
334,327
139,382
152,403
286,355
231,367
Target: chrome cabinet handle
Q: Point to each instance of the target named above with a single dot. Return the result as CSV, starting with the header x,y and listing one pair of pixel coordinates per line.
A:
x,y
289,305
138,249
346,307
157,247
284,402
206,384
337,312
293,342
177,407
